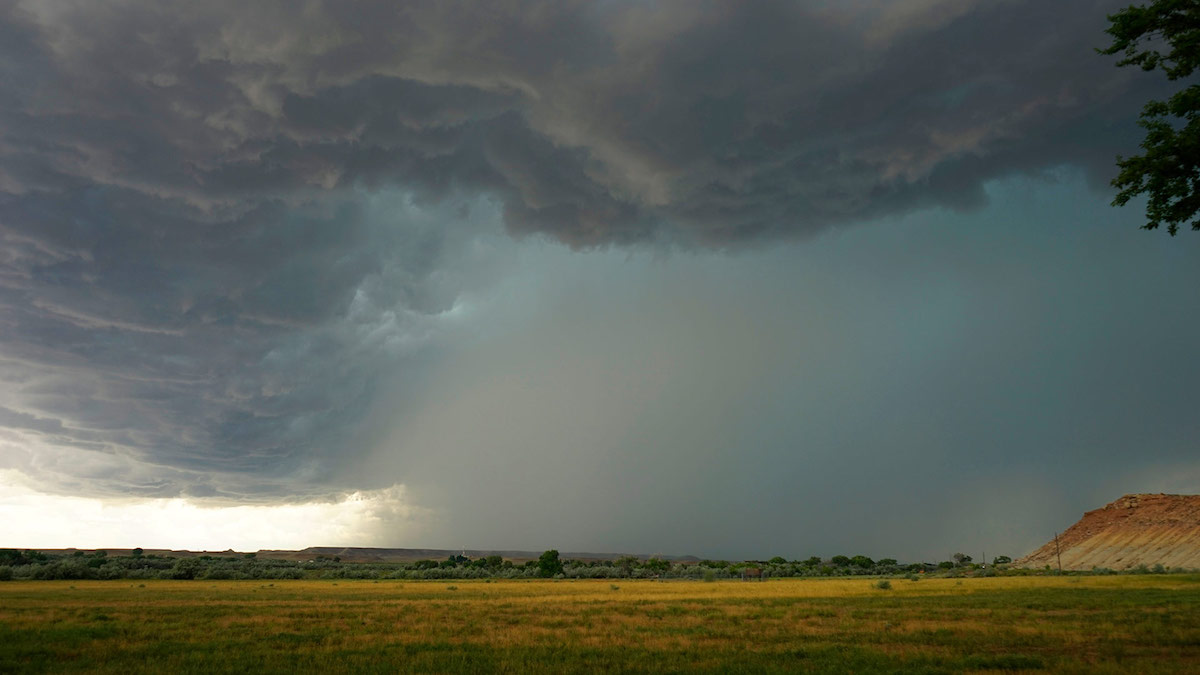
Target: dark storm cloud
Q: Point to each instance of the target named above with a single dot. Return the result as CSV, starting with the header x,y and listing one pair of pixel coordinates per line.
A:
x,y
596,122
194,280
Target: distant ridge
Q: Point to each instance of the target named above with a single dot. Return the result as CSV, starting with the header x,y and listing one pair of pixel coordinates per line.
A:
x,y
1137,529
365,554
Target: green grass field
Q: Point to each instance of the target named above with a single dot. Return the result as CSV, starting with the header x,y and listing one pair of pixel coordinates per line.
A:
x,y
1110,624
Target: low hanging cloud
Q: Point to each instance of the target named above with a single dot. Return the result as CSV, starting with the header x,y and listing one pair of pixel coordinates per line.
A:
x,y
594,122
221,225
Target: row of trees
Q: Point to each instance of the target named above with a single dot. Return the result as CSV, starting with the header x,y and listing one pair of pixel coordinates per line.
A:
x,y
99,565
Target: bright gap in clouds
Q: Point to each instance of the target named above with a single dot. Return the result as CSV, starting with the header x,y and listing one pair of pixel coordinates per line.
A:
x,y
367,518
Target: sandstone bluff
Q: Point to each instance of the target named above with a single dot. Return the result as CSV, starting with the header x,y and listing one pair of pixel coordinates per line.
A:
x,y
1140,529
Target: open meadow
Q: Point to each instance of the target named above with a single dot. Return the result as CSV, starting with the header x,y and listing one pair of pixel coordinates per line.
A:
x,y
1079,624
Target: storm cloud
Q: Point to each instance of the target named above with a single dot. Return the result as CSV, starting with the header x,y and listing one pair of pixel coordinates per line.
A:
x,y
241,244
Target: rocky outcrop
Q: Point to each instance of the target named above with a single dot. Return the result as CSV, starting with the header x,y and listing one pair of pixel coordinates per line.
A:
x,y
1140,529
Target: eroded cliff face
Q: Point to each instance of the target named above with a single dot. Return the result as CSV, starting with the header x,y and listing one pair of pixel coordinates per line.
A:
x,y
1141,529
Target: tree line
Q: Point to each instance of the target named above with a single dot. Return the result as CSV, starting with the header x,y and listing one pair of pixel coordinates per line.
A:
x,y
15,564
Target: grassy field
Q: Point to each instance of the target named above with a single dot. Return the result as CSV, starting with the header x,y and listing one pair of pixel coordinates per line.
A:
x,y
1136,624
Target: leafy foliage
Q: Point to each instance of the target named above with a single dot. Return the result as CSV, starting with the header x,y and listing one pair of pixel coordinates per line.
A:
x,y
549,564
34,565
1164,34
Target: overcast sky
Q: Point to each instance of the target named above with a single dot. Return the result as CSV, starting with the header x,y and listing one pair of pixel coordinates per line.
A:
x,y
734,279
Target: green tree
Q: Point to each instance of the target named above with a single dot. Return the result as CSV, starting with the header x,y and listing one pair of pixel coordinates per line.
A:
x,y
778,560
840,560
1001,560
1162,34
549,565
626,563
862,561
187,568
657,565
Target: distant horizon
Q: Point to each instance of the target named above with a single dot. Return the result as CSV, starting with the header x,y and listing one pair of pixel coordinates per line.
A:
x,y
533,554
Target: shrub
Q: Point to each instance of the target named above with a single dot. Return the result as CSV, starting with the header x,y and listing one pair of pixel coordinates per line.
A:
x,y
185,568
549,564
658,565
6,573
883,585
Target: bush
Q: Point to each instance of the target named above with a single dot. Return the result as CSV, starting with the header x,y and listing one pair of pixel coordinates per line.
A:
x,y
549,564
883,585
862,561
6,573
185,568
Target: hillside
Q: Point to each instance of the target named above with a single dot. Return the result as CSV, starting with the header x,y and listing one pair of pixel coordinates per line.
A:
x,y
376,555
363,554
1138,529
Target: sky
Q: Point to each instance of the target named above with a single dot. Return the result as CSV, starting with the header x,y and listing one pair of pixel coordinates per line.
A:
x,y
730,279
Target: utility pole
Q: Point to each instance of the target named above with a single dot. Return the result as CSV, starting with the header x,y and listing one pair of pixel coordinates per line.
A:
x,y
1057,554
